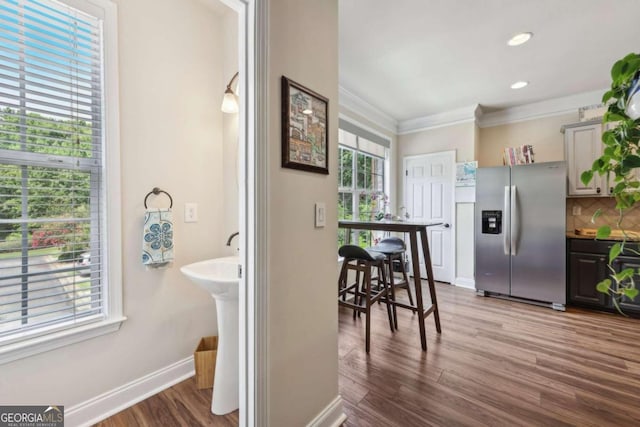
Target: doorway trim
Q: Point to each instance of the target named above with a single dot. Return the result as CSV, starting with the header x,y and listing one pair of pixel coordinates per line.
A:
x,y
253,19
454,226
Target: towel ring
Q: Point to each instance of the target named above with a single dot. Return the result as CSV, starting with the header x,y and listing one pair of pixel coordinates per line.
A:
x,y
157,191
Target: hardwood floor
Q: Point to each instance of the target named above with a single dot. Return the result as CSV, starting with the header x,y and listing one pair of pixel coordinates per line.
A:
x,y
181,405
497,363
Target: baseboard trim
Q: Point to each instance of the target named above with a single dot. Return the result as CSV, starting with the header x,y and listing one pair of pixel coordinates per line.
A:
x,y
103,406
464,282
331,416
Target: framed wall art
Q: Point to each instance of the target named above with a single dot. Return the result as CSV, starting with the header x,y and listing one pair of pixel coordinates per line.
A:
x,y
305,128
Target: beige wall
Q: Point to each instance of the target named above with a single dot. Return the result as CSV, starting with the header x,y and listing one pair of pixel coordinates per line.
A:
x,y
460,137
544,134
171,137
303,318
230,167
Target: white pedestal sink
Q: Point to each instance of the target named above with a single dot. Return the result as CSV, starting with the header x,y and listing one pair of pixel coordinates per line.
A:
x,y
220,277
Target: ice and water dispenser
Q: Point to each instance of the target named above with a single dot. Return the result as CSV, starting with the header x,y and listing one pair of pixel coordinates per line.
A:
x,y
491,222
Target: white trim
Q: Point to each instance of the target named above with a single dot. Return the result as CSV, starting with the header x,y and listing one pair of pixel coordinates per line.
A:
x,y
331,416
61,338
103,406
254,195
447,118
465,282
111,137
355,122
538,110
359,106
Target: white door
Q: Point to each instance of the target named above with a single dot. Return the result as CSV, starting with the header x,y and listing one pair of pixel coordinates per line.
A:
x,y
428,197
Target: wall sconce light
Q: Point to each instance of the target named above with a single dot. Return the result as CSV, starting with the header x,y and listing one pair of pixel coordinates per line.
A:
x,y
230,101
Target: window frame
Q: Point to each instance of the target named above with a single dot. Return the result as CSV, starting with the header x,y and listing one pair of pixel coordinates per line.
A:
x,y
37,340
354,190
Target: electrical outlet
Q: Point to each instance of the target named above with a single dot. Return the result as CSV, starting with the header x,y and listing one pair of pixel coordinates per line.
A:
x,y
190,212
321,215
577,210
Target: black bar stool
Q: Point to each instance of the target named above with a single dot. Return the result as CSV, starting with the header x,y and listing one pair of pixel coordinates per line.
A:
x,y
394,249
364,294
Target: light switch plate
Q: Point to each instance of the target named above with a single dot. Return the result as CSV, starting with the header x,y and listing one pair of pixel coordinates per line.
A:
x,y
577,210
321,215
190,212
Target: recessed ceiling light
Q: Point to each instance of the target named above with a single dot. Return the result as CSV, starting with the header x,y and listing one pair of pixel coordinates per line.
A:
x,y
519,39
519,85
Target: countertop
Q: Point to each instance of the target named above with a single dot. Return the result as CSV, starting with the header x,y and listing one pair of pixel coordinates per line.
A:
x,y
573,235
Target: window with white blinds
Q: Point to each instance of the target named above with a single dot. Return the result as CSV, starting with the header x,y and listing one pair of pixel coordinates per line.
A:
x,y
51,167
361,180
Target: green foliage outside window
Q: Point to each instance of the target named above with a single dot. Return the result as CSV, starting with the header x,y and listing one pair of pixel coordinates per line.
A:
x,y
367,192
52,192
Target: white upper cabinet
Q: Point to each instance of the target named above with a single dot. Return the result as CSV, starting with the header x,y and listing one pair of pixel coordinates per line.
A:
x,y
583,145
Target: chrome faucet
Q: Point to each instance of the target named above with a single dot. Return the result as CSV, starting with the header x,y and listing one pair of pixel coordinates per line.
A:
x,y
231,238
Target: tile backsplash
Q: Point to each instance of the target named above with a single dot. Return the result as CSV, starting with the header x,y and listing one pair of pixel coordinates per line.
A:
x,y
609,216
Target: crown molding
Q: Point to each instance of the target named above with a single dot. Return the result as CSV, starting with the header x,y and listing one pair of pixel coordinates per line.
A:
x,y
361,107
538,110
447,118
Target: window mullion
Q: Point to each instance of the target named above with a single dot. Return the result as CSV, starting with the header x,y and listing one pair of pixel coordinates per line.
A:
x,y
24,179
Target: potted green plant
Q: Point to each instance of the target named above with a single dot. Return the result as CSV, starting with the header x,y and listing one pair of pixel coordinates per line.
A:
x,y
620,159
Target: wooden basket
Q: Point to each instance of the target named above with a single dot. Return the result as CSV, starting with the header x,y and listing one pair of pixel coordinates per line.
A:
x,y
204,359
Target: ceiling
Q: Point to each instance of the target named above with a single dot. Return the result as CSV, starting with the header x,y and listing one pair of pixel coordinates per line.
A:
x,y
415,58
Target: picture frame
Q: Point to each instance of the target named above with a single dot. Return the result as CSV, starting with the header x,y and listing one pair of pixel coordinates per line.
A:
x,y
466,174
305,128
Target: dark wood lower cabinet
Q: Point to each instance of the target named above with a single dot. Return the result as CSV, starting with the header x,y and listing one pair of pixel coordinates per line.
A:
x,y
588,265
629,262
585,272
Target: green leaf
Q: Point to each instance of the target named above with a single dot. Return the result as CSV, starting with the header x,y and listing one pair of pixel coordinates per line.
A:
x,y
616,70
615,250
631,293
625,274
604,286
586,177
632,161
595,216
607,96
598,164
603,232
619,187
612,117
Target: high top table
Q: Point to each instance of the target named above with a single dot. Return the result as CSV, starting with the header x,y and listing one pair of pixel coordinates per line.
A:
x,y
413,229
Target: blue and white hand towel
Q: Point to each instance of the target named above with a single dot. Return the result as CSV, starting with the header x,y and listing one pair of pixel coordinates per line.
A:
x,y
157,238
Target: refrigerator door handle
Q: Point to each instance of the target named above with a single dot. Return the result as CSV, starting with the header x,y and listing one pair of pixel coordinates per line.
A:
x,y
515,232
506,229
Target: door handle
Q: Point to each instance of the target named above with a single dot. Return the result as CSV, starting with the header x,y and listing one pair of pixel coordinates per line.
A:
x,y
446,225
514,220
505,227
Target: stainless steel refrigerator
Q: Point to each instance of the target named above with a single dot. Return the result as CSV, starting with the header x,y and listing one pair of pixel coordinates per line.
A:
x,y
520,234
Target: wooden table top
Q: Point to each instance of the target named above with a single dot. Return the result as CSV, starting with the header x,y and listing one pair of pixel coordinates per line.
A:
x,y
386,225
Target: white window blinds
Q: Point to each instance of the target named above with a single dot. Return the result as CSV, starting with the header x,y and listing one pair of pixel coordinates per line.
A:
x,y
51,166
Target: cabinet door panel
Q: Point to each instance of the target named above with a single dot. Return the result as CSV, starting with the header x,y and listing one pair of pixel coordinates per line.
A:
x,y
629,262
583,145
586,270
